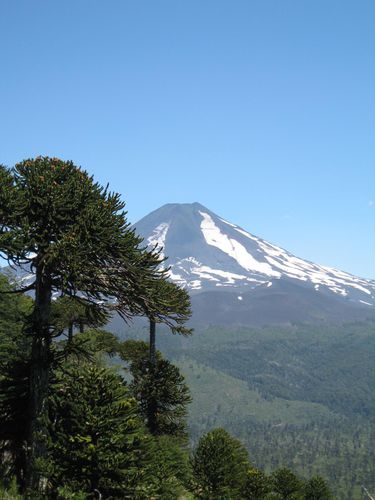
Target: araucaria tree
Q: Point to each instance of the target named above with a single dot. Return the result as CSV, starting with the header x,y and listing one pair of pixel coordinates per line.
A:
x,y
160,389
73,235
98,441
219,464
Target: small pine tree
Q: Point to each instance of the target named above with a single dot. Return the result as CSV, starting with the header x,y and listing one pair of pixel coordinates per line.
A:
x,y
171,471
160,389
219,464
286,484
256,486
97,441
317,488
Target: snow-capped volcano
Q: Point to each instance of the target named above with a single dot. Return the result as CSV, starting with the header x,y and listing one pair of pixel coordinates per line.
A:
x,y
206,253
235,277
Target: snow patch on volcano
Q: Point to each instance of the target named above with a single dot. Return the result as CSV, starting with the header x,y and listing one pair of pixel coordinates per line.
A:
x,y
158,237
233,248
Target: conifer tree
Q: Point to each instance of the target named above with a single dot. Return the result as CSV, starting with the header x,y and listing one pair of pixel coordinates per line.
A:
x,y
317,488
219,466
97,440
74,237
256,485
171,470
286,484
160,389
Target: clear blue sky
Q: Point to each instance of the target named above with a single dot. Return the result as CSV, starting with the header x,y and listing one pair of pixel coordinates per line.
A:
x,y
264,111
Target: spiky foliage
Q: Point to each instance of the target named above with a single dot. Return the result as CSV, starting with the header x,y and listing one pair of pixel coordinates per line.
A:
x,y
171,471
97,342
69,314
286,485
160,389
317,488
219,466
14,378
73,235
257,485
97,441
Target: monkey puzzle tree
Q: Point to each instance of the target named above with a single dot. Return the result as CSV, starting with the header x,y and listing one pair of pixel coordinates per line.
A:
x,y
317,488
74,237
286,484
219,464
98,442
160,389
256,485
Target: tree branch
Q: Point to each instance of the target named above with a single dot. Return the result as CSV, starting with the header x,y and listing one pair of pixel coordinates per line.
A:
x,y
22,290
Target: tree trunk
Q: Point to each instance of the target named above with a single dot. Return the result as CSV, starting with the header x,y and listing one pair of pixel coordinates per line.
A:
x,y
152,403
39,377
70,332
152,342
20,463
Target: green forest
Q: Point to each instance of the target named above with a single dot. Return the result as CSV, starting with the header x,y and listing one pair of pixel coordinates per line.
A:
x,y
87,414
296,396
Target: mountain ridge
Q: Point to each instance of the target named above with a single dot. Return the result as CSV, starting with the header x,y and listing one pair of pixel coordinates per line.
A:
x,y
237,278
206,254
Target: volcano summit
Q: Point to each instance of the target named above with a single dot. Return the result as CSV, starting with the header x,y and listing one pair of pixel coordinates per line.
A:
x,y
235,276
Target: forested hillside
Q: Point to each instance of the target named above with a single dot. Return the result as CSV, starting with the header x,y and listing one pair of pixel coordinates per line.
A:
x,y
299,396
